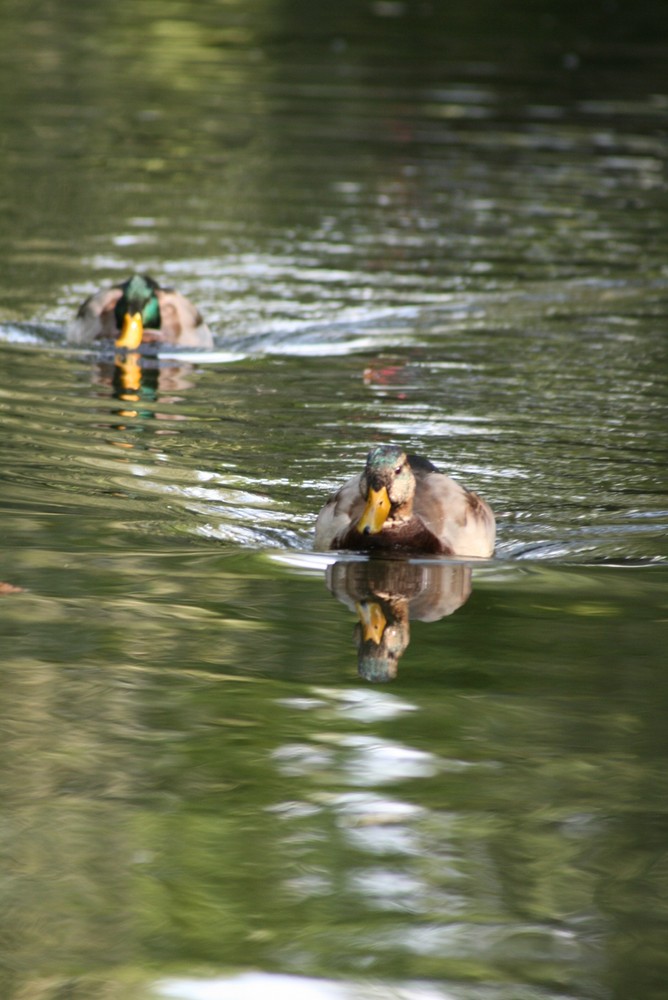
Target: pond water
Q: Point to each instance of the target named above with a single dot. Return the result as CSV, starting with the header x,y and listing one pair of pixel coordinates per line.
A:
x,y
444,228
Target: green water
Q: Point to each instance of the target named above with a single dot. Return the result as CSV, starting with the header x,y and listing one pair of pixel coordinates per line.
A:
x,y
442,227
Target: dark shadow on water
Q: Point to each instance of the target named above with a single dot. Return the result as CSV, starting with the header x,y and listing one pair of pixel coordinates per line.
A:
x,y
386,594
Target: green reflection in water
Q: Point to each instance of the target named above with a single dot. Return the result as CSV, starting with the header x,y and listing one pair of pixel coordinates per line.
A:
x,y
189,778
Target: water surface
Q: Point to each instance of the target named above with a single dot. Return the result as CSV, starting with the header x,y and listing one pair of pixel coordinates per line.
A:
x,y
442,228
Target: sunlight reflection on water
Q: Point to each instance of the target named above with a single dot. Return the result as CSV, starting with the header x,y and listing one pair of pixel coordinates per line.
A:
x,y
252,986
255,985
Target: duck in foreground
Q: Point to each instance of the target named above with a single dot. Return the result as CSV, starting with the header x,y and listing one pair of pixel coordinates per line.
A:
x,y
403,503
139,311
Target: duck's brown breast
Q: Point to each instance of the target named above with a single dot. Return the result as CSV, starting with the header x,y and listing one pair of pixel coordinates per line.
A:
x,y
407,536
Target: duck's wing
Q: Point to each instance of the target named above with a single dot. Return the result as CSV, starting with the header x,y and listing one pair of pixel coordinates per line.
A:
x,y
95,318
457,516
181,321
343,508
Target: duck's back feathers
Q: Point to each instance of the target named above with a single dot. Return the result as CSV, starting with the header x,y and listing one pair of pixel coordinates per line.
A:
x,y
182,323
95,318
421,466
455,515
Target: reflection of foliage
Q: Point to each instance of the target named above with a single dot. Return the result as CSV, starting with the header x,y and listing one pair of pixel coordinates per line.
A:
x,y
162,807
173,126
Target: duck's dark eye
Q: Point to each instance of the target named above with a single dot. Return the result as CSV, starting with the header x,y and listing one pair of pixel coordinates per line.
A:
x,y
398,469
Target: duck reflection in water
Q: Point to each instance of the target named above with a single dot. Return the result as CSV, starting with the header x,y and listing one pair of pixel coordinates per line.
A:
x,y
385,594
138,381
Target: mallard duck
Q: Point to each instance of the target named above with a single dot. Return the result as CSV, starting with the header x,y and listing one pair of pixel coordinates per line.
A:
x,y
140,311
402,502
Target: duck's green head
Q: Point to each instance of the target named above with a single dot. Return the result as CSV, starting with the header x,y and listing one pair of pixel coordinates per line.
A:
x,y
137,308
386,483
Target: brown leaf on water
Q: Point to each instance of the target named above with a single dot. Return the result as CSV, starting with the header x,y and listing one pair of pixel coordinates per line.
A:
x,y
9,588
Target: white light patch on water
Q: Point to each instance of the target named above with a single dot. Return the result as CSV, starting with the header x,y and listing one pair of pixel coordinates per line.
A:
x,y
217,357
131,239
373,761
19,333
330,348
308,563
365,704
253,986
267,986
429,427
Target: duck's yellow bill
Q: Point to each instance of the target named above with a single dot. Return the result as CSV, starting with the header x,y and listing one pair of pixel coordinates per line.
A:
x,y
373,621
131,332
375,514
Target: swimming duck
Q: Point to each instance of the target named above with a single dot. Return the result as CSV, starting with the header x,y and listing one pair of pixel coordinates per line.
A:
x,y
403,503
139,311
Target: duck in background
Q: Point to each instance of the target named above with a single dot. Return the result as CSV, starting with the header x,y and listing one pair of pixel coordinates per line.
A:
x,y
139,311
402,503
